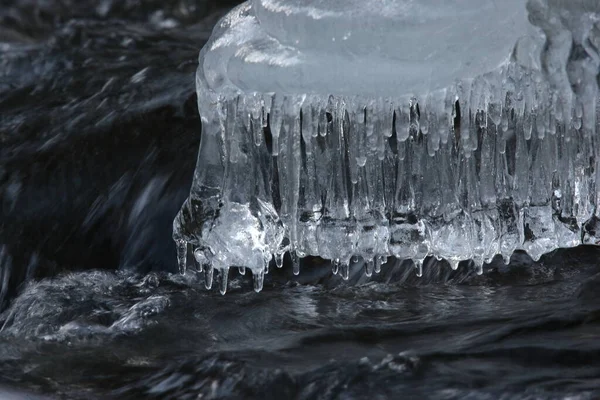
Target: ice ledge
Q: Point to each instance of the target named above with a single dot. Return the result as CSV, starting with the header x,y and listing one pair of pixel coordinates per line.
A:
x,y
488,164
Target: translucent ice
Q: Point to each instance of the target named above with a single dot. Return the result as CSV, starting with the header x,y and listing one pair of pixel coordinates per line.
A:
x,y
459,129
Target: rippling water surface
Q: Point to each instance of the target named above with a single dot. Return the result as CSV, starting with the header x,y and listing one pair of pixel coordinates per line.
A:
x,y
98,138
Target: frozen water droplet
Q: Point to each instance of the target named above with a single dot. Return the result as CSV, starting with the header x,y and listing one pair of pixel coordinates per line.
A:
x,y
242,270
258,279
208,276
369,267
223,275
182,249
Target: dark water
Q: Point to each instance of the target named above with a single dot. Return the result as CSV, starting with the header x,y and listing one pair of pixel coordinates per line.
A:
x,y
98,138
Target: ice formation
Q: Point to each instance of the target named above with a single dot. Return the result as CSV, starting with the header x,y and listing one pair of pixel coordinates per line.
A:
x,y
459,129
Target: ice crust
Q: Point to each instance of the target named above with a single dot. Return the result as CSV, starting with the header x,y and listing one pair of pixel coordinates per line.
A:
x,y
458,129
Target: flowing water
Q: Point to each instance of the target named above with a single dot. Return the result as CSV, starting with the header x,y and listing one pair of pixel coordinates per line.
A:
x,y
99,134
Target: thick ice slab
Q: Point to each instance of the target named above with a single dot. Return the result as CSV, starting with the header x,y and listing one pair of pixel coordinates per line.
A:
x,y
368,48
460,129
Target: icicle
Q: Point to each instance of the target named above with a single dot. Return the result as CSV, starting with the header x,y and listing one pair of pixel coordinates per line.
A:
x,y
255,111
279,259
275,122
258,279
335,266
200,259
242,270
344,270
307,121
379,261
469,174
369,266
414,116
295,263
208,276
223,275
182,249
387,111
402,122
377,267
267,257
478,264
232,131
424,121
419,267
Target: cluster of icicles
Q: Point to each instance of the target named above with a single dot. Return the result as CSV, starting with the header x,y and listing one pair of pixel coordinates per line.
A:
x,y
491,165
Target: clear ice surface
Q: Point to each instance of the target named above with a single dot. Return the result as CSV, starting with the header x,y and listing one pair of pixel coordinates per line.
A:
x,y
459,129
